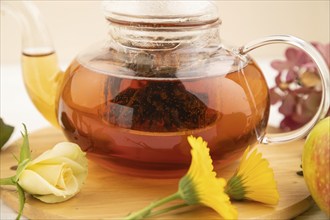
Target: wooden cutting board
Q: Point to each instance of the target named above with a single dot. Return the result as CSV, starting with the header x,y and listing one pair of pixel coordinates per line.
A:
x,y
107,195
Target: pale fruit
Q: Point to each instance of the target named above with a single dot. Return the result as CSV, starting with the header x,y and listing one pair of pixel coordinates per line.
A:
x,y
316,164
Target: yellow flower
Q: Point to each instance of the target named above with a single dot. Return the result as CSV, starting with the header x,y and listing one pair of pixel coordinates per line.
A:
x,y
56,175
253,180
200,185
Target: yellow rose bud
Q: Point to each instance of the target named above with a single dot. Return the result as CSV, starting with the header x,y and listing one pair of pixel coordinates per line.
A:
x,y
56,175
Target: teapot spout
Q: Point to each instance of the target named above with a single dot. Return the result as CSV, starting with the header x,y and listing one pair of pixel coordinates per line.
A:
x,y
41,73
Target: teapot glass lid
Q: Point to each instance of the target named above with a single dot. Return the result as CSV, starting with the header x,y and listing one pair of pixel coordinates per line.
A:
x,y
161,13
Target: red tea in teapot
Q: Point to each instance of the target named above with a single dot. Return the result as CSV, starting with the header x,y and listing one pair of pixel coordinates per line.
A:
x,y
162,74
140,123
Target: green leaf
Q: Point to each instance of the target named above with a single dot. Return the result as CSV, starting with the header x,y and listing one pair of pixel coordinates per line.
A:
x,y
21,197
25,154
5,132
21,168
25,148
24,159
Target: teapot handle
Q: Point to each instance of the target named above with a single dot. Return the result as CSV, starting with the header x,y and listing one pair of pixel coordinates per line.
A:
x,y
325,82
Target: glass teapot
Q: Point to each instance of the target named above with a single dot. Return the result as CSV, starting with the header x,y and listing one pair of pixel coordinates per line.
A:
x,y
161,75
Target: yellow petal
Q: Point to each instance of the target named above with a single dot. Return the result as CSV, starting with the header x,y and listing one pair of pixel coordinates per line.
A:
x,y
256,179
63,149
33,183
51,173
201,184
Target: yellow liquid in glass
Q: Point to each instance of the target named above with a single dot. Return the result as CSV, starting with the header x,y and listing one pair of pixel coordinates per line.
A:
x,y
42,78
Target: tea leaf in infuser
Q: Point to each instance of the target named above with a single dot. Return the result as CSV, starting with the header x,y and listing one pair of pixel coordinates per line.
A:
x,y
160,106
